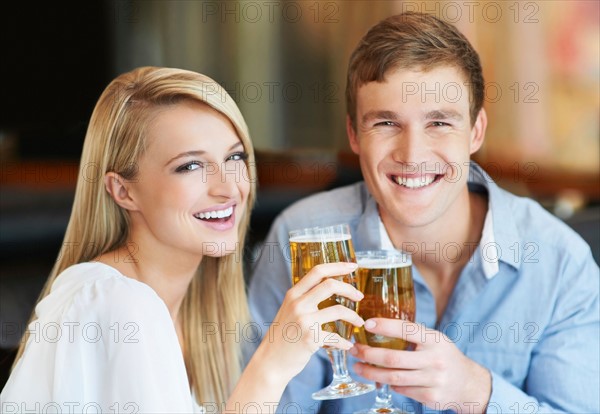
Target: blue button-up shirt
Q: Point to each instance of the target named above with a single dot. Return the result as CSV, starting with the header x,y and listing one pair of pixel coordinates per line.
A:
x,y
525,306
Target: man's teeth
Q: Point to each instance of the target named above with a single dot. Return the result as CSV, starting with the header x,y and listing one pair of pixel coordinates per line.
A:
x,y
216,214
415,182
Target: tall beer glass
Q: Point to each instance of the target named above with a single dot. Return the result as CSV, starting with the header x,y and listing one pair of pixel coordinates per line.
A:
x,y
310,247
385,278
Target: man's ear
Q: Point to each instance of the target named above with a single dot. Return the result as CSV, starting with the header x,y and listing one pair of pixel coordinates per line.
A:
x,y
478,131
116,186
352,138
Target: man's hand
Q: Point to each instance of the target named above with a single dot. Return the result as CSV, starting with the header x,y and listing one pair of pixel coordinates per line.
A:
x,y
436,373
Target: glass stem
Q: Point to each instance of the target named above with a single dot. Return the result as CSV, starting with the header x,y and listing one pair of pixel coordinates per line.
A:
x,y
384,397
338,362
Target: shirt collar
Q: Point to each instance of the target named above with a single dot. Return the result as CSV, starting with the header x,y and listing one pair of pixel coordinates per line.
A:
x,y
386,242
499,236
369,239
505,237
487,248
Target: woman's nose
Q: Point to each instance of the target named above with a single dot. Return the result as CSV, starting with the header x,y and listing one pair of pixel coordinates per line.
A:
x,y
222,178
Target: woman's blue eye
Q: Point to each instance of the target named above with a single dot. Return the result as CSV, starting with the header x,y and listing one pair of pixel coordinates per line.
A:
x,y
189,166
238,156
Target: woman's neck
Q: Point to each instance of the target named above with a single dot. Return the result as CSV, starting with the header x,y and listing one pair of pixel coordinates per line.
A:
x,y
168,273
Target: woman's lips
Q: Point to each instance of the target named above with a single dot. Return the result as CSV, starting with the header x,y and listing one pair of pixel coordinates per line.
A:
x,y
218,219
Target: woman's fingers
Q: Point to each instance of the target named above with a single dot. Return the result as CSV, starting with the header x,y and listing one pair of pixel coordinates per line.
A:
x,y
320,272
334,314
337,313
328,288
335,341
318,285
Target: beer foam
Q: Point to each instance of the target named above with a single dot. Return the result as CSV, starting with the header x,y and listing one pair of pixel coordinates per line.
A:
x,y
325,238
399,261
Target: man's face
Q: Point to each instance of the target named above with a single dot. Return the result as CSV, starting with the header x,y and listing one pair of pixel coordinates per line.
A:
x,y
414,139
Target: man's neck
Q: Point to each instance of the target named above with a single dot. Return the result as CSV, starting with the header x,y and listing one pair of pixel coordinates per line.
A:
x,y
441,249
446,243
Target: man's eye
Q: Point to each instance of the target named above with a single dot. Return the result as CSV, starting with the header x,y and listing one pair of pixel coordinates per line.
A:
x,y
189,166
439,124
385,123
238,156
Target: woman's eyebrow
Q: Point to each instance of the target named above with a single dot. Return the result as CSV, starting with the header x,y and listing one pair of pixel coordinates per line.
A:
x,y
196,153
186,154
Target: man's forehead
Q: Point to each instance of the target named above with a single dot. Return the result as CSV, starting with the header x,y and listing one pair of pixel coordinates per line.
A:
x,y
438,85
420,72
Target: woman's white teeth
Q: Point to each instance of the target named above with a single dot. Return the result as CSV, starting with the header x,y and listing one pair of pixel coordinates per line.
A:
x,y
415,182
216,214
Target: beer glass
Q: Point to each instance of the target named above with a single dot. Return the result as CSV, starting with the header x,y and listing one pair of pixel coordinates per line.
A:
x,y
310,247
385,278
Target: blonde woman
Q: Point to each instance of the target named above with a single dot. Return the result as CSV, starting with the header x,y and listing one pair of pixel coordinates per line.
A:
x,y
138,317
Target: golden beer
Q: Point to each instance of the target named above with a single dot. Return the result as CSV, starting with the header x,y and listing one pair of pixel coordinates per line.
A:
x,y
389,293
307,251
310,247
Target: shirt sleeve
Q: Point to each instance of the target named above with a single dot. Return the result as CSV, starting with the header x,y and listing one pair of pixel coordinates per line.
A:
x,y
125,356
564,372
271,278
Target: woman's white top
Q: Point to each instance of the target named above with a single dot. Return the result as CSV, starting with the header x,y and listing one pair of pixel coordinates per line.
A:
x,y
102,342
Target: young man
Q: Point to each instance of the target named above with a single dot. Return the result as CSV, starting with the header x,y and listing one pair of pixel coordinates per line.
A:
x,y
507,295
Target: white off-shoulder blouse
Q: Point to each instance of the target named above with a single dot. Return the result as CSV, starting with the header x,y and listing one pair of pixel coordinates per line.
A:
x,y
102,342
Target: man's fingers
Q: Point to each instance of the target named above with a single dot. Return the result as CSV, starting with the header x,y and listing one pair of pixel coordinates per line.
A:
x,y
393,377
419,394
389,358
410,331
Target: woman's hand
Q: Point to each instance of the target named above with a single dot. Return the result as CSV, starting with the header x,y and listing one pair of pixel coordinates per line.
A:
x,y
294,336
296,332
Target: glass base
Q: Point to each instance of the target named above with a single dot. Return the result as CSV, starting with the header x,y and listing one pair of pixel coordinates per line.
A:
x,y
343,389
381,410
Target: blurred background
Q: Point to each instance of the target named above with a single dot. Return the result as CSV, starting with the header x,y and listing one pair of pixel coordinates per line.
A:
x,y
284,62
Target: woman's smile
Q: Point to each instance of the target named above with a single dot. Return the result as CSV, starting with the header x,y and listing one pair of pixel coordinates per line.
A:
x,y
218,218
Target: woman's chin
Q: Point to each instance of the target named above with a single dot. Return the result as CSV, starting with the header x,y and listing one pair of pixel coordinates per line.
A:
x,y
221,248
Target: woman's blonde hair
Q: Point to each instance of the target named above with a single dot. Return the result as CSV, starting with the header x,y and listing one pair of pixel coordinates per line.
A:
x,y
115,140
